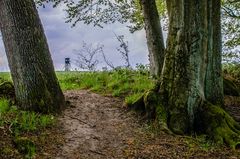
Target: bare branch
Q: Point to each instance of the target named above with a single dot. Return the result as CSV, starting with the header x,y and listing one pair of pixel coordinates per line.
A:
x,y
123,49
110,64
86,56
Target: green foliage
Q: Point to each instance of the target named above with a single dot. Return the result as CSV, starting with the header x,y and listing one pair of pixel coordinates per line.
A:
x,y
232,70
22,123
120,82
25,121
231,30
102,12
96,12
132,98
5,76
4,105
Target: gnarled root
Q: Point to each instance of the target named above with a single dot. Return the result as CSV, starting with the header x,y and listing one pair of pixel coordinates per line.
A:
x,y
218,124
151,104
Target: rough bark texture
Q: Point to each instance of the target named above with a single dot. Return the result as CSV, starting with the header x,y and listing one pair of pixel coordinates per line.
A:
x,y
31,66
193,60
154,36
190,97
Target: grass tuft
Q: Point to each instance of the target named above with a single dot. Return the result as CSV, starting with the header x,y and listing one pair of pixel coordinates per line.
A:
x,y
4,105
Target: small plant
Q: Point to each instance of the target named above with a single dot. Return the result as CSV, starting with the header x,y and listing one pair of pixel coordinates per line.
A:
x,y
31,121
132,98
123,50
46,120
27,121
4,105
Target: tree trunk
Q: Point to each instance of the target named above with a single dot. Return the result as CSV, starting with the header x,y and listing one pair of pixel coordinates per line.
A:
x,y
30,62
192,71
190,95
154,36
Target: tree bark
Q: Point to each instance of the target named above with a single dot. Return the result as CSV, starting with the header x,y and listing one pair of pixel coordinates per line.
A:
x,y
192,71
30,62
154,36
190,95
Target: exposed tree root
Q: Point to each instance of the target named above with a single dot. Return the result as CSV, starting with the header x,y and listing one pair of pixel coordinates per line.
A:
x,y
151,105
210,119
218,124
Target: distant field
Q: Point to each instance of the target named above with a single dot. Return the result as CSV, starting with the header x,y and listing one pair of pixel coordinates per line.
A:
x,y
120,83
5,76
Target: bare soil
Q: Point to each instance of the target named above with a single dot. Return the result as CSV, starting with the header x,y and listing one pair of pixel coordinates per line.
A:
x,y
95,127
99,127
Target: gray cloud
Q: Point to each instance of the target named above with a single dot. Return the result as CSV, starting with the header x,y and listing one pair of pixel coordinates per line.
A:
x,y
63,39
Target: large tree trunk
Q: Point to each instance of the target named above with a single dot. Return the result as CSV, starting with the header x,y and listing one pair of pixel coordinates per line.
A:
x,y
31,66
154,36
192,71
190,96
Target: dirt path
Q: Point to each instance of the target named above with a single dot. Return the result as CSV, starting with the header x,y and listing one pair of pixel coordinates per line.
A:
x,y
98,127
95,127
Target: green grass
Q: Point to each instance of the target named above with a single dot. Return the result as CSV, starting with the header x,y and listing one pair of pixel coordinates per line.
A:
x,y
19,124
5,76
128,84
4,105
119,83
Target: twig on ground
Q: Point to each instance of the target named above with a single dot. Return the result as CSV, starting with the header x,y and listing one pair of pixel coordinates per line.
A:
x,y
92,126
99,153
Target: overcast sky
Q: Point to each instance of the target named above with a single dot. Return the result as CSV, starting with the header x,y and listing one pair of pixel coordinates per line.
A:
x,y
64,40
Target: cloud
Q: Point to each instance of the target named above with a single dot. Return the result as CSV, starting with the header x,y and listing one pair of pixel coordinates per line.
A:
x,y
63,39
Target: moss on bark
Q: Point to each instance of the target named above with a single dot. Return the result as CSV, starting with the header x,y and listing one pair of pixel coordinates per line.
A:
x,y
152,106
218,125
210,119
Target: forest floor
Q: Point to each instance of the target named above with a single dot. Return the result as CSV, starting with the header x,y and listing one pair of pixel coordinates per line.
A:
x,y
100,127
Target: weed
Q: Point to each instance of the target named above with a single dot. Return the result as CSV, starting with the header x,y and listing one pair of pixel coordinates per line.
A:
x,y
27,121
46,120
4,105
132,98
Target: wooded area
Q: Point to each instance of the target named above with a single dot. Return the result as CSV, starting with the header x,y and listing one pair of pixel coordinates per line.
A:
x,y
188,91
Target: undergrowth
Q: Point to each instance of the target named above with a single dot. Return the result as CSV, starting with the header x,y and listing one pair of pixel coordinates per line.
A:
x,y
22,128
232,71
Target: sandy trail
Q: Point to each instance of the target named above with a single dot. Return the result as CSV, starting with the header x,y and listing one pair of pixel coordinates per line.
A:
x,y
95,127
98,127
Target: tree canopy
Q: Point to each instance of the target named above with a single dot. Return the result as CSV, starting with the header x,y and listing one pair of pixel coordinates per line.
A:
x,y
102,12
231,29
